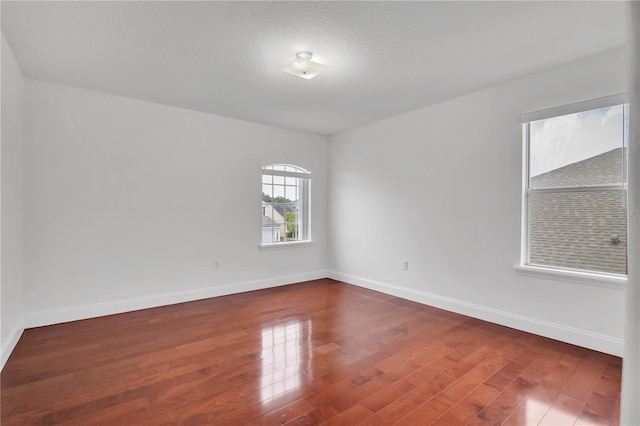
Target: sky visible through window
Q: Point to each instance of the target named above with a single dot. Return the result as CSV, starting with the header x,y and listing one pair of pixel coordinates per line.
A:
x,y
558,141
281,186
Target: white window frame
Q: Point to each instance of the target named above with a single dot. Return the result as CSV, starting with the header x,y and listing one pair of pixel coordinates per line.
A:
x,y
304,218
596,278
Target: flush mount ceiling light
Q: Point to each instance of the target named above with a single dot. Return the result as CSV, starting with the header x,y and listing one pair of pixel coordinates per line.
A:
x,y
303,66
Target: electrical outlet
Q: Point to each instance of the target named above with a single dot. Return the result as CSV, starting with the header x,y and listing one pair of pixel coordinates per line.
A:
x,y
216,263
405,265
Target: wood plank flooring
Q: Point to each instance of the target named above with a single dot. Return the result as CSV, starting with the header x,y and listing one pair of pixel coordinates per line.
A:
x,y
321,352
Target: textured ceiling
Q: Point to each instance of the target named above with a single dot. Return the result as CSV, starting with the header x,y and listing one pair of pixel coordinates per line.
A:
x,y
382,58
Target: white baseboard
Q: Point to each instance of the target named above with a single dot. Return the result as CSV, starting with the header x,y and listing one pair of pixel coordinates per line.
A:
x,y
560,332
75,313
10,344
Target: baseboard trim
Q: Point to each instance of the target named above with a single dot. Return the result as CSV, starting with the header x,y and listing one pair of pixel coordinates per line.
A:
x,y
75,313
551,330
10,344
555,331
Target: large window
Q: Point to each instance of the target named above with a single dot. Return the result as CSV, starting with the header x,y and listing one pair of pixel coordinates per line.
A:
x,y
575,211
285,204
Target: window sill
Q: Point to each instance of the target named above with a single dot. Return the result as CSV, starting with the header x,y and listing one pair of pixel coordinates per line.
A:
x,y
589,278
280,246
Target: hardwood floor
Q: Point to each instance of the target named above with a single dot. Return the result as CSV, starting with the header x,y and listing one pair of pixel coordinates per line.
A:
x,y
310,353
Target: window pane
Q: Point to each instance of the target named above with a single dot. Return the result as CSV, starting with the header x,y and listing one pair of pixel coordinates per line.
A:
x,y
282,218
575,230
291,181
577,149
278,191
267,190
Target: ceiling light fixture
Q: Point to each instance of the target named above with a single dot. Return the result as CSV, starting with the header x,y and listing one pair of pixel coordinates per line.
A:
x,y
303,66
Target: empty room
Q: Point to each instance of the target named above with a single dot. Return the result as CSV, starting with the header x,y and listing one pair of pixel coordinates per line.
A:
x,y
341,213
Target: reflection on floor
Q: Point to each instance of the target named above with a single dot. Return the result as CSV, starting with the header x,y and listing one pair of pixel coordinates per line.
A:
x,y
308,353
286,354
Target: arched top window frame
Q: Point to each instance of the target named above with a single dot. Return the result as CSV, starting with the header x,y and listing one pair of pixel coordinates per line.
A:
x,y
290,170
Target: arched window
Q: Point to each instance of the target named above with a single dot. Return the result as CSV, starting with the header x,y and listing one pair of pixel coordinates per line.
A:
x,y
286,194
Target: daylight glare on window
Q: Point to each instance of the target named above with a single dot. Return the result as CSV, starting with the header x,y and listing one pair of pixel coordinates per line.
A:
x,y
559,141
576,197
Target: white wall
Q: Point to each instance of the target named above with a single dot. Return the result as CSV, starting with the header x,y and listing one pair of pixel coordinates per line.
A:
x,y
630,409
11,249
128,203
445,184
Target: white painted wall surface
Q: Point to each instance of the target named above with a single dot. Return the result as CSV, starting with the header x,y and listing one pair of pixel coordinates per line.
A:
x,y
128,203
629,407
12,140
445,181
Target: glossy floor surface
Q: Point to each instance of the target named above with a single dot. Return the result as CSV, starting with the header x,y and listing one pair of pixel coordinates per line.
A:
x,y
310,353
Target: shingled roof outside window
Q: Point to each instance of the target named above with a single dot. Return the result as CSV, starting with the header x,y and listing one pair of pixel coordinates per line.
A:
x,y
574,228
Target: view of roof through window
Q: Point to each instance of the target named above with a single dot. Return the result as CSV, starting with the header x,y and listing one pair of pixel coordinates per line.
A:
x,y
576,194
285,195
